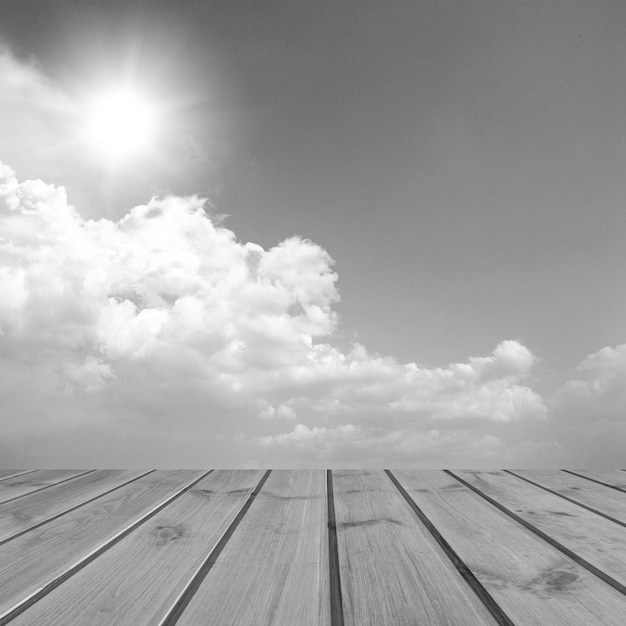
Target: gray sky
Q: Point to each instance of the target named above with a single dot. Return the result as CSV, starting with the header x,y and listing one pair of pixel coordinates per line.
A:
x,y
461,162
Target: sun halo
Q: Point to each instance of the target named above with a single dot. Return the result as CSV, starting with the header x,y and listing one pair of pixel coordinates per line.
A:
x,y
122,123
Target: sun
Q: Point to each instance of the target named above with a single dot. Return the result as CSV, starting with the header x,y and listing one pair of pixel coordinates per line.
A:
x,y
122,122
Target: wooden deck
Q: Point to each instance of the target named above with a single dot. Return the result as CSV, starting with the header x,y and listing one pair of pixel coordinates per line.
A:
x,y
297,548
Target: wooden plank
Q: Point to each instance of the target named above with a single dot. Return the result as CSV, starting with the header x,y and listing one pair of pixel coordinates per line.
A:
x,y
46,555
277,559
392,569
598,497
615,478
127,583
600,542
19,486
532,581
4,474
35,508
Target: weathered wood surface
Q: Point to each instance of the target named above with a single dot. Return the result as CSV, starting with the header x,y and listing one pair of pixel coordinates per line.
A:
x,y
543,587
129,584
300,548
392,570
600,498
277,559
615,478
4,474
598,541
53,551
36,508
23,484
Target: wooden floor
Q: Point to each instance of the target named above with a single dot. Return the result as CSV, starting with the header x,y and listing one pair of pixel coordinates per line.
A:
x,y
299,548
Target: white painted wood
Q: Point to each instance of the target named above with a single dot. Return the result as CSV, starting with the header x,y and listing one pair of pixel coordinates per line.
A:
x,y
274,568
533,582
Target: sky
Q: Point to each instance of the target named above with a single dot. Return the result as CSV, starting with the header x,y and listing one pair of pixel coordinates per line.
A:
x,y
361,234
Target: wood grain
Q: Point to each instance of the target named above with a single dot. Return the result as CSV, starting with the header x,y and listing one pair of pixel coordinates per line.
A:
x,y
392,570
7,473
19,486
35,508
532,581
32,561
274,568
598,497
615,478
138,579
234,548
598,541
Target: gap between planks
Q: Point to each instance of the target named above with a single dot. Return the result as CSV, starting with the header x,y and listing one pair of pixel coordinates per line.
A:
x,y
69,509
17,473
334,570
31,599
556,544
336,598
561,495
595,480
52,484
173,615
485,597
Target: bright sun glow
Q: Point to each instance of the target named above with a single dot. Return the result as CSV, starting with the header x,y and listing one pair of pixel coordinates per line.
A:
x,y
121,123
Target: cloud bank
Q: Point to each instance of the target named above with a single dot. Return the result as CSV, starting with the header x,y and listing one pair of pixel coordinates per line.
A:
x,y
160,338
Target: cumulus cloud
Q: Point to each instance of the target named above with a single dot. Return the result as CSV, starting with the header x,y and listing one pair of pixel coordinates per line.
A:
x,y
603,373
161,328
588,415
156,338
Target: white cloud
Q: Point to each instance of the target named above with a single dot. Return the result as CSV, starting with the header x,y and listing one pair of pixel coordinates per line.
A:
x,y
163,322
158,339
283,411
352,445
604,372
588,413
161,339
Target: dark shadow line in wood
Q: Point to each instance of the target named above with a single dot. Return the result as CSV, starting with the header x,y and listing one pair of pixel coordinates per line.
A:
x,y
73,508
576,502
485,597
173,615
594,480
27,602
48,486
336,597
20,473
553,542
